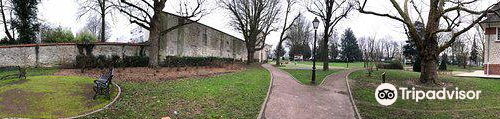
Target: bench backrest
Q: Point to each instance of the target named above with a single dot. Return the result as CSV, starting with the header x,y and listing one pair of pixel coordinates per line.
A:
x,y
109,76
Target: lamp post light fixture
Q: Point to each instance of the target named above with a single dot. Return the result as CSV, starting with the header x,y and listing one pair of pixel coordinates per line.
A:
x,y
315,25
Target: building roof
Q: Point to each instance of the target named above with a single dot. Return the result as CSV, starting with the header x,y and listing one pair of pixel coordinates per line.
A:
x,y
492,17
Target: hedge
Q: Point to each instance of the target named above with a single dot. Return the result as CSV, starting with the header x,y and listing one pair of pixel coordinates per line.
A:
x,y
390,65
102,61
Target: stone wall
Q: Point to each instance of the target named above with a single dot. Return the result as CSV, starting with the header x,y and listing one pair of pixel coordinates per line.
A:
x,y
52,55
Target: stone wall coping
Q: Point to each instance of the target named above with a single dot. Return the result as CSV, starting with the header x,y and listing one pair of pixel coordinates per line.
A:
x,y
66,44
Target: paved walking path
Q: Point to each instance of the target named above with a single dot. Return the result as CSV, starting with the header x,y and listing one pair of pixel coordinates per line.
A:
x,y
290,100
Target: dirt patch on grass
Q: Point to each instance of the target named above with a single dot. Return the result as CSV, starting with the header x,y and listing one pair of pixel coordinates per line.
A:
x,y
159,74
17,101
88,94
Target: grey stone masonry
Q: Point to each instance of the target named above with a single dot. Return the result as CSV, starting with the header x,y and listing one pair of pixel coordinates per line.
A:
x,y
53,55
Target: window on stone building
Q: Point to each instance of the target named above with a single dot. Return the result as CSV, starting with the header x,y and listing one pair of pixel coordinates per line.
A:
x,y
498,33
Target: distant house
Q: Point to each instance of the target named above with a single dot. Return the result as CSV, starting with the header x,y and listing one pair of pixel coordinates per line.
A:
x,y
263,55
491,26
298,57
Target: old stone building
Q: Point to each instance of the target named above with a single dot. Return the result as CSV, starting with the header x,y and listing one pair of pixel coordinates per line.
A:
x,y
491,26
199,40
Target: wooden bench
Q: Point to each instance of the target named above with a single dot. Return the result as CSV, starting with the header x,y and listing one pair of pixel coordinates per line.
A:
x,y
103,84
20,74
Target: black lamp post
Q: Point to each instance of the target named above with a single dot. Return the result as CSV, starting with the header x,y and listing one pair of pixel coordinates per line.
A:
x,y
315,25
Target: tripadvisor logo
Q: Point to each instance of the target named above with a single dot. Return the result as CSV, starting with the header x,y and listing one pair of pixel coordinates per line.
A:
x,y
386,94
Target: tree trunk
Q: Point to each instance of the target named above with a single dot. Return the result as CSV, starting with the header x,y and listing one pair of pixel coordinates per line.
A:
x,y
155,31
324,51
9,36
428,62
103,21
277,53
250,55
103,27
429,71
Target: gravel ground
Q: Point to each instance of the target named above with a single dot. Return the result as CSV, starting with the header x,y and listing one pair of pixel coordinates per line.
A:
x,y
150,74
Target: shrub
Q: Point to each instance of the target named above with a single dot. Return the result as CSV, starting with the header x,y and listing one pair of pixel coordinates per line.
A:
x,y
83,61
6,41
115,61
416,64
444,61
58,35
86,37
135,61
101,62
390,65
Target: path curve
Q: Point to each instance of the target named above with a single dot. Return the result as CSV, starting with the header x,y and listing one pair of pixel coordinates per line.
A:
x,y
291,100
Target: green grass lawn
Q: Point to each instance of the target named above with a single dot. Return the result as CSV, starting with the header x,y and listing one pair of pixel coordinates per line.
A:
x,y
29,71
335,64
488,106
235,95
461,68
319,65
48,97
304,76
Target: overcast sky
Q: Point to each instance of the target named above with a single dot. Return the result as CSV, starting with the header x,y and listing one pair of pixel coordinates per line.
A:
x,y
64,13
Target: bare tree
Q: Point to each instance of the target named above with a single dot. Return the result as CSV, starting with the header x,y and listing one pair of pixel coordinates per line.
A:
x,y
3,8
331,13
94,26
286,26
442,16
99,8
254,19
299,38
482,42
148,15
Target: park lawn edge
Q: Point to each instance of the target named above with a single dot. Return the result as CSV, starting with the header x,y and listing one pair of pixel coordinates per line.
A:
x,y
247,94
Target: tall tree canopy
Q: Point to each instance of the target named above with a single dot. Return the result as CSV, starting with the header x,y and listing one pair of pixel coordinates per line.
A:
x,y
286,26
299,38
99,8
26,20
350,48
254,19
331,13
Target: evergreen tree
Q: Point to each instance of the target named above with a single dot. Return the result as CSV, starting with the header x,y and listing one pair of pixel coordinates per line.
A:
x,y
26,21
334,51
474,53
350,48
410,49
416,64
280,53
444,62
